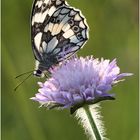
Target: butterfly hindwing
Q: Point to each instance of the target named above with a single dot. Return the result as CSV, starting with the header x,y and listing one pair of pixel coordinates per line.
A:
x,y
67,30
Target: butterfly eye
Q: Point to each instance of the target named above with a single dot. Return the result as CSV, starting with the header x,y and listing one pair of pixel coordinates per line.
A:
x,y
38,71
75,28
71,22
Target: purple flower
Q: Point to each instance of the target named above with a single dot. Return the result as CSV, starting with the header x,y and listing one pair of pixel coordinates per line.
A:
x,y
79,81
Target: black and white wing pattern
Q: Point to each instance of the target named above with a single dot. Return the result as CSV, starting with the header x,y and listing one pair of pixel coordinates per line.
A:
x,y
57,32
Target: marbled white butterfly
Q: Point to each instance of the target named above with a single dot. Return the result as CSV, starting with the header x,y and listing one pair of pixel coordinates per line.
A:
x,y
57,32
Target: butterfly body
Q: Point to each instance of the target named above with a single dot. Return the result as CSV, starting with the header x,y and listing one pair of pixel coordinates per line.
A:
x,y
57,31
44,65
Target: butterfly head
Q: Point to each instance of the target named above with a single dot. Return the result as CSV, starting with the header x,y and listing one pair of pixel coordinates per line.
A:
x,y
39,70
38,73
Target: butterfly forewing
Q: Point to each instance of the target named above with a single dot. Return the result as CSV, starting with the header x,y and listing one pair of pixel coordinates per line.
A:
x,y
57,30
41,13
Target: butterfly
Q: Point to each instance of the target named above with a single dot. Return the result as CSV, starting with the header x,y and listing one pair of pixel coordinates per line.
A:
x,y
57,32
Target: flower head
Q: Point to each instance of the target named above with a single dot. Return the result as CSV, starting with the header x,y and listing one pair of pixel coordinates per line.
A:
x,y
79,81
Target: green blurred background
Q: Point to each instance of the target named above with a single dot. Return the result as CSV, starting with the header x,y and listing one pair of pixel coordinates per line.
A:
x,y
113,34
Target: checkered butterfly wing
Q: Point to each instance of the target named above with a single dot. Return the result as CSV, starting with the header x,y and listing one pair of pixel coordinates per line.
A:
x,y
42,10
58,31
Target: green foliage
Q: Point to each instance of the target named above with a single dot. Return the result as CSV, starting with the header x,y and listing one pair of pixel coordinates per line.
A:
x,y
113,34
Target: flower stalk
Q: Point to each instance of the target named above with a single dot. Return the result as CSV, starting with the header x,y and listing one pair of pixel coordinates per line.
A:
x,y
92,123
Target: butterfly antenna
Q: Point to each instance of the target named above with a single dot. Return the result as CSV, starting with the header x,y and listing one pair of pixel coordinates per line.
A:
x,y
23,81
23,74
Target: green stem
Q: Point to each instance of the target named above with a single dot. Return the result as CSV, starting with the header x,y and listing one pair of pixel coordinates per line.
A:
x,y
92,123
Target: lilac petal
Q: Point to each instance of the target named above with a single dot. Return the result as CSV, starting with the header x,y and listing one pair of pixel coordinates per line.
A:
x,y
89,99
88,93
120,76
77,99
104,88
